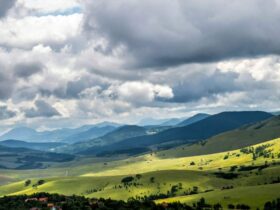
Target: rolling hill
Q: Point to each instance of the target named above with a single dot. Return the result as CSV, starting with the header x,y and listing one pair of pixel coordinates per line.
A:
x,y
229,178
31,145
235,139
200,130
59,135
124,132
193,119
22,158
91,133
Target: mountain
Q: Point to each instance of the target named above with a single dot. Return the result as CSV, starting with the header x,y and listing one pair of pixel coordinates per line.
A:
x,y
193,119
92,133
31,135
275,113
172,122
30,145
242,137
151,121
19,133
200,130
160,122
22,158
124,132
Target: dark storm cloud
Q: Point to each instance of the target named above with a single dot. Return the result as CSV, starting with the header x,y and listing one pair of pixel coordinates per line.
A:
x,y
197,85
162,33
74,88
42,109
5,113
5,5
25,70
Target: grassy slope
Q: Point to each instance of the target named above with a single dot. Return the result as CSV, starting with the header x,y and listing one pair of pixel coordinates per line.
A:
x,y
85,178
242,137
256,196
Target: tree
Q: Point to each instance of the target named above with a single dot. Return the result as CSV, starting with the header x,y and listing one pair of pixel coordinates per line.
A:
x,y
41,182
27,183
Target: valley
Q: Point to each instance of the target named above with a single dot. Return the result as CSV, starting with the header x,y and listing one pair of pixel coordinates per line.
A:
x,y
232,167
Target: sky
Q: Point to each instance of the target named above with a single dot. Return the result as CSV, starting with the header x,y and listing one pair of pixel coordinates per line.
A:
x,y
65,63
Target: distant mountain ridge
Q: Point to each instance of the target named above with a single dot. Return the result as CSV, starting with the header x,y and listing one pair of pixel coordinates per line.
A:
x,y
123,132
194,119
23,158
63,135
200,130
45,146
235,139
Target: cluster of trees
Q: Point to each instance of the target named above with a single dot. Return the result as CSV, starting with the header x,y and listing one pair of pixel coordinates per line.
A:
x,y
272,205
35,185
24,202
226,175
260,151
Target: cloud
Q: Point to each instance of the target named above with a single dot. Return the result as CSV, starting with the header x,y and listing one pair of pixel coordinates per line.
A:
x,y
141,93
42,109
5,6
172,32
55,31
50,6
5,113
6,83
25,70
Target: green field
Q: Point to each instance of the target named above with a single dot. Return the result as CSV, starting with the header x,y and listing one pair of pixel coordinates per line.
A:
x,y
175,177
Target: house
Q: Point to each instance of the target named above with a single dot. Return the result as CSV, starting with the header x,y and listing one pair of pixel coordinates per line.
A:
x,y
51,206
43,200
56,208
31,199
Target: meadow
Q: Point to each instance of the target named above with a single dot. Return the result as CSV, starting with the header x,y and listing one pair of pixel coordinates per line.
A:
x,y
228,177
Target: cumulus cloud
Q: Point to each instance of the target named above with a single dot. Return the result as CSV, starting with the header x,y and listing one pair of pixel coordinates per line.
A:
x,y
30,31
42,109
5,6
69,62
143,92
172,32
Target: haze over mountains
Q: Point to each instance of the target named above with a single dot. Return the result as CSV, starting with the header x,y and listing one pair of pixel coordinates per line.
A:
x,y
199,130
223,131
60,135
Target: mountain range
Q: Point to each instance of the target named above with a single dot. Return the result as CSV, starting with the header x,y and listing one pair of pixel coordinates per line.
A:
x,y
197,131
66,135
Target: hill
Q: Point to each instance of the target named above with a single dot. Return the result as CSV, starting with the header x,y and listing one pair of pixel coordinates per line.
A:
x,y
31,145
229,177
200,130
22,158
58,135
124,132
19,133
235,139
91,133
193,119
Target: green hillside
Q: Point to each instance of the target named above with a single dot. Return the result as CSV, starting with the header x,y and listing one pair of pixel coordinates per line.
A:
x,y
241,137
201,130
118,134
23,158
235,174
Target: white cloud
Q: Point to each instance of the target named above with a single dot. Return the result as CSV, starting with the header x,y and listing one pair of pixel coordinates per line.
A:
x,y
47,30
143,92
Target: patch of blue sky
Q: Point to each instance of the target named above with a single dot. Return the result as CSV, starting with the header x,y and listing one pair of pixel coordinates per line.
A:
x,y
66,12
